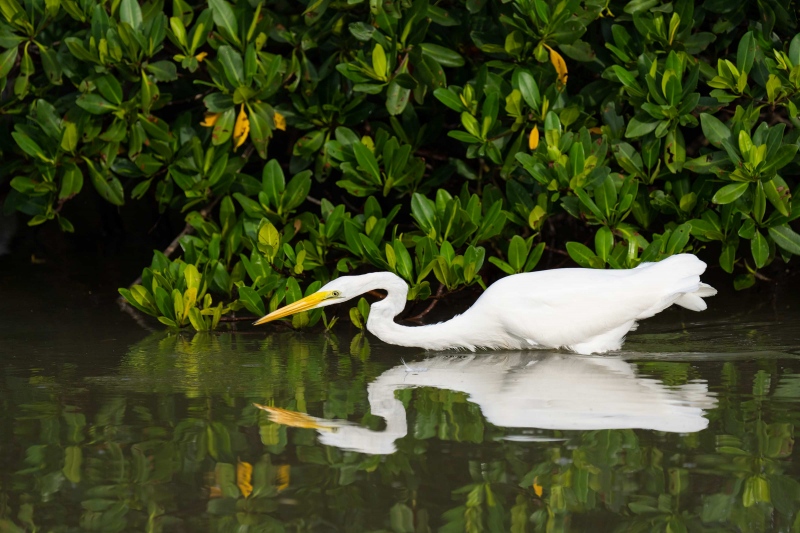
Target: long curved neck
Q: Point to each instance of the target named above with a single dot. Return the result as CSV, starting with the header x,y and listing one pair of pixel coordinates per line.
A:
x,y
450,334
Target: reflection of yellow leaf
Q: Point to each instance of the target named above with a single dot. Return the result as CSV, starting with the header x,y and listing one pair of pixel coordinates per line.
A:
x,y
201,56
283,476
244,475
73,459
560,65
210,120
280,121
291,418
533,139
536,487
241,129
214,492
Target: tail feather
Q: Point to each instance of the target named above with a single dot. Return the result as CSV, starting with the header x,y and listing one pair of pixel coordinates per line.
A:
x,y
705,290
680,276
691,301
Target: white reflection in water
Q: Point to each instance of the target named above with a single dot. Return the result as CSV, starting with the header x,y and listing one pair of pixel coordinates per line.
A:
x,y
527,390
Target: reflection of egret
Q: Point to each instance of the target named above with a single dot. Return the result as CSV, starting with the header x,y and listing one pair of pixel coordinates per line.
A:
x,y
582,309
524,390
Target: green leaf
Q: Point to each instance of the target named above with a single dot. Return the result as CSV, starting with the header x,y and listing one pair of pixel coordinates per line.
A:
x,y
379,63
130,12
97,105
746,53
108,185
7,60
528,88
449,98
110,88
273,182
783,157
296,191
679,239
794,50
72,182
252,301
423,212
728,257
223,128
606,197
714,130
730,193
586,201
163,70
502,265
443,56
603,242
367,162
786,238
396,98
777,198
583,255
517,253
637,128
232,64
225,18
760,249
741,282
28,145
534,257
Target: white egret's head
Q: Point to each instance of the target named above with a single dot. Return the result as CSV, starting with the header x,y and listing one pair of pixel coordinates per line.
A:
x,y
337,291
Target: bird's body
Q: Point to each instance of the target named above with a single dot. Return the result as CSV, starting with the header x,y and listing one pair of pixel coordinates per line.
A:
x,y
579,309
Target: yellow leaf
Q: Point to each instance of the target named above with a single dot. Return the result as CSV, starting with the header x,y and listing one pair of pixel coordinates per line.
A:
x,y
241,129
201,56
244,476
210,120
596,130
280,121
536,487
533,139
283,477
560,65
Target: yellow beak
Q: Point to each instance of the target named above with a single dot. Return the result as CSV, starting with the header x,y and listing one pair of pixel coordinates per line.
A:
x,y
304,304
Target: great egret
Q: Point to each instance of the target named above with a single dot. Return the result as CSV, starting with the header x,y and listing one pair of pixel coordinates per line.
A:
x,y
581,309
523,390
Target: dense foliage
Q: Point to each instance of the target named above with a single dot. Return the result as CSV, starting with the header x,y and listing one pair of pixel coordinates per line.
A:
x,y
304,140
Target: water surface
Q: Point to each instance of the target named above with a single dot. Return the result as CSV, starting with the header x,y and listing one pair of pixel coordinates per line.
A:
x,y
106,427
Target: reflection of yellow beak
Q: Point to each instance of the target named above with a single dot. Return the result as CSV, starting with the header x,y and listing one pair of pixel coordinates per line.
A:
x,y
304,304
293,418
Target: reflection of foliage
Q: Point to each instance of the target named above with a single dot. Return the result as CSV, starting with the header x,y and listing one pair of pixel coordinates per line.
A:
x,y
172,442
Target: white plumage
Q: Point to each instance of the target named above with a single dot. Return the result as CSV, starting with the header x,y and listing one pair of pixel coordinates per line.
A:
x,y
523,390
579,309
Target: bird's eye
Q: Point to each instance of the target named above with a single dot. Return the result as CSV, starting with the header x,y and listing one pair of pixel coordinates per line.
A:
x,y
336,294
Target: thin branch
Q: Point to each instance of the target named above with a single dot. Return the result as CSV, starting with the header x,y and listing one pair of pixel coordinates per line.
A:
x,y
761,276
238,318
436,298
430,154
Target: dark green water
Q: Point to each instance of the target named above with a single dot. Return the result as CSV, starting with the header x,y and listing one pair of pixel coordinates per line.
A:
x,y
108,428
